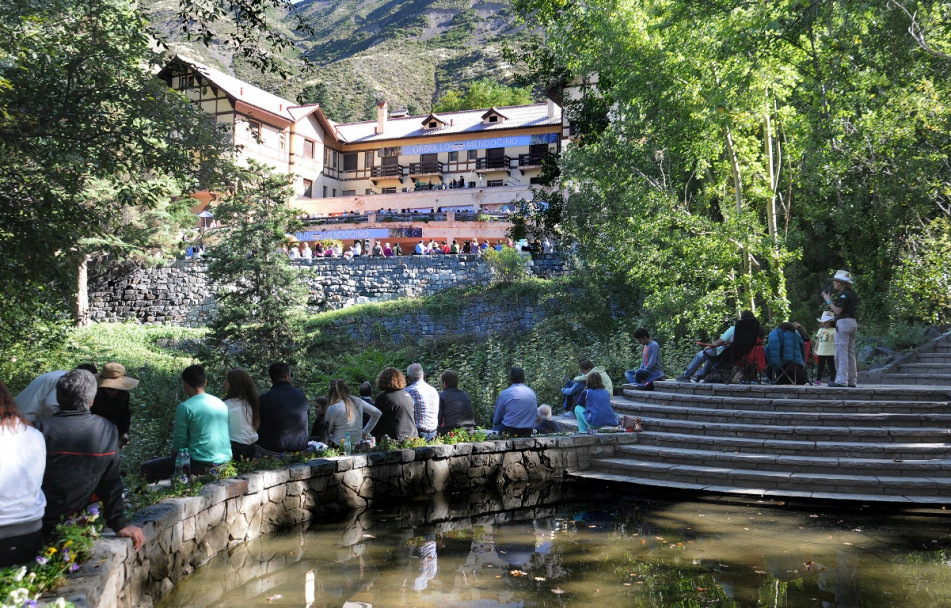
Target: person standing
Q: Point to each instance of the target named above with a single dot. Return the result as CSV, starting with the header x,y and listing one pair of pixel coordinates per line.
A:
x,y
844,305
112,398
284,414
825,346
425,401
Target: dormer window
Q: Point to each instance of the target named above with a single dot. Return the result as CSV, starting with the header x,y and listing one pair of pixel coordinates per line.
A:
x,y
433,122
493,116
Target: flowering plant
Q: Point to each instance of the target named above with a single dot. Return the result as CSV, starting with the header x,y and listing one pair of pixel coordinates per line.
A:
x,y
20,587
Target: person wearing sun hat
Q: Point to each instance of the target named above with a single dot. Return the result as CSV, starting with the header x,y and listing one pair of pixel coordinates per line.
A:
x,y
112,398
844,305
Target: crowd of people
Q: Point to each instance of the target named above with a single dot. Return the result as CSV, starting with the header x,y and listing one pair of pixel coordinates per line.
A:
x,y
382,249
62,434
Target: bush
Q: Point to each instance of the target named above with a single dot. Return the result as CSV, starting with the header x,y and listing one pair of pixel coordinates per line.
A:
x,y
507,265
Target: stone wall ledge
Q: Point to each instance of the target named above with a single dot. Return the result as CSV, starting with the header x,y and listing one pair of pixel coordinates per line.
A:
x,y
183,533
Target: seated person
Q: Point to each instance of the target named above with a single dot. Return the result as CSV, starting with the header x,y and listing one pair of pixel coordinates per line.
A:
x,y
201,427
785,355
82,458
22,464
545,423
244,418
318,432
284,415
455,407
397,419
575,386
596,411
345,415
651,369
516,407
112,399
710,352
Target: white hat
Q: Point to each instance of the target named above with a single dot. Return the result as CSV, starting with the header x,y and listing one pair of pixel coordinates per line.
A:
x,y
842,275
826,316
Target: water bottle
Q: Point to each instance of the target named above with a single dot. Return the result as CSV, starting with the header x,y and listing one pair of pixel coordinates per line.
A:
x,y
347,444
179,463
186,463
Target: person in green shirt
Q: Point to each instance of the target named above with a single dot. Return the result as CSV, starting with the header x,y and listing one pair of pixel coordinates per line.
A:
x,y
201,427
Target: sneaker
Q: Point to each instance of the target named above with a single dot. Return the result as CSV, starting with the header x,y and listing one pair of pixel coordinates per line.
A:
x,y
851,386
682,379
837,385
817,383
568,415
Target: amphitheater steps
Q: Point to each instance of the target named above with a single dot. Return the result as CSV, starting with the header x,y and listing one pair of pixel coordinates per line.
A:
x,y
874,443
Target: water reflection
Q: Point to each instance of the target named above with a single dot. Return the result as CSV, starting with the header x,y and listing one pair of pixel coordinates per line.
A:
x,y
557,547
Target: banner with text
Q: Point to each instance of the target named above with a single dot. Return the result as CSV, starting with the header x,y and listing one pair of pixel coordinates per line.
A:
x,y
360,234
481,144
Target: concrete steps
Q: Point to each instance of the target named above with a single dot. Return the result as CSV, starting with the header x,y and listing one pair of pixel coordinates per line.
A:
x,y
874,443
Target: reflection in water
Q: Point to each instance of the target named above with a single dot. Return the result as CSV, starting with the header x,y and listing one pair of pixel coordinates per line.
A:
x,y
548,548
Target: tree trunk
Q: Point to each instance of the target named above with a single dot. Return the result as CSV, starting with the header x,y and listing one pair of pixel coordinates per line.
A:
x,y
735,165
82,293
771,171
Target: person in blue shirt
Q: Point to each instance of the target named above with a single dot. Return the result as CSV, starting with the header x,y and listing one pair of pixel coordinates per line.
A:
x,y
596,411
516,407
652,368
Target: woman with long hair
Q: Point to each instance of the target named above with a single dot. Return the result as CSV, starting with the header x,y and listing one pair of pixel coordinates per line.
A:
x,y
241,397
345,414
397,421
22,502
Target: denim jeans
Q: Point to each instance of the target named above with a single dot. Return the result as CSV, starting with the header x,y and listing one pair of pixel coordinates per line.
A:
x,y
702,358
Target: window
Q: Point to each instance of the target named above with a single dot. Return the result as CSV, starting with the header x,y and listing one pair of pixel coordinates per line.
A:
x,y
325,191
494,183
369,191
389,190
432,124
368,159
308,188
335,192
535,181
472,154
254,129
350,161
309,148
349,193
493,118
453,157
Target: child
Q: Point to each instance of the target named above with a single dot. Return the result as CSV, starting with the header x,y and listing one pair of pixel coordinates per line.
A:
x,y
651,369
825,346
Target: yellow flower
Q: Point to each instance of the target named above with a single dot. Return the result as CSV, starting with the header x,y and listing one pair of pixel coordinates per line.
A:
x,y
51,551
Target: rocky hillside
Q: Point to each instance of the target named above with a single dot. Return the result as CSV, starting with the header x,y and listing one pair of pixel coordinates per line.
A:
x,y
408,51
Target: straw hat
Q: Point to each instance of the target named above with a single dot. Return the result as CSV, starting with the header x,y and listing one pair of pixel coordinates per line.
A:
x,y
113,376
843,275
826,316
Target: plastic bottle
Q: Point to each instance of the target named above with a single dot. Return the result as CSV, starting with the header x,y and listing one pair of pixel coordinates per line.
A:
x,y
347,444
186,463
179,463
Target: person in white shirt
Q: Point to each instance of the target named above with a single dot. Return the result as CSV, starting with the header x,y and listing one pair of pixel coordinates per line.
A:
x,y
307,253
244,418
22,502
345,415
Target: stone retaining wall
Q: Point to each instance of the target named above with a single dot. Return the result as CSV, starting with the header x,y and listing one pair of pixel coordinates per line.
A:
x,y
181,293
183,533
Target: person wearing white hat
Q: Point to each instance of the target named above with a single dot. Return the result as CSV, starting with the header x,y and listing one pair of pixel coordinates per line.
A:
x,y
844,306
825,346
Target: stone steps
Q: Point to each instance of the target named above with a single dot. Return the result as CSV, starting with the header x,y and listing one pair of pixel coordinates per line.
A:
x,y
874,443
668,399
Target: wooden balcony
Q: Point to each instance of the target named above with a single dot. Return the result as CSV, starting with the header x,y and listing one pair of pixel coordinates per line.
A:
x,y
497,163
383,172
528,161
426,168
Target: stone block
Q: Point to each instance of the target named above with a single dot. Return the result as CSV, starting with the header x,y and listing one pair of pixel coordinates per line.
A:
x,y
276,493
235,487
274,478
163,514
255,482
440,477
343,464
407,455
299,471
215,492
443,451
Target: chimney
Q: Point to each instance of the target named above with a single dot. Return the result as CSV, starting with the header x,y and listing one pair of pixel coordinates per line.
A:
x,y
381,113
551,109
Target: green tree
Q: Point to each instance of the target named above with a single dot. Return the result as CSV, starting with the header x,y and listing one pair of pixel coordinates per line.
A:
x,y
922,285
91,147
483,93
259,295
723,150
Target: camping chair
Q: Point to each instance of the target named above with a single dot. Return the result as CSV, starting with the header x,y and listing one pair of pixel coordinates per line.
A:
x,y
731,365
787,371
754,364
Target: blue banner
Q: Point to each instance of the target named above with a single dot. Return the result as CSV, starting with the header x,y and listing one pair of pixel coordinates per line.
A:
x,y
359,234
481,144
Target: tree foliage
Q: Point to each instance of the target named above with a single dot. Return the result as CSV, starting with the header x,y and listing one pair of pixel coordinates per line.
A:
x,y
483,93
259,294
724,150
91,147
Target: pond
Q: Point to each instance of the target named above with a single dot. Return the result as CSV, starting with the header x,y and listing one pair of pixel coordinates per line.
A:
x,y
585,545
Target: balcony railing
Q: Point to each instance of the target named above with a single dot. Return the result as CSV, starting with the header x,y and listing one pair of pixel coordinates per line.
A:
x,y
432,167
530,160
388,171
502,163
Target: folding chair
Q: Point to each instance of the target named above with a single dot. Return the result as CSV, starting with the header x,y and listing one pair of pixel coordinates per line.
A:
x,y
732,365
